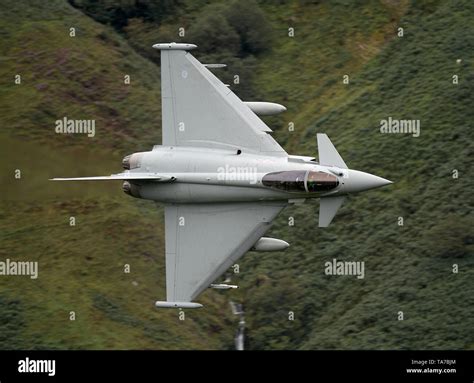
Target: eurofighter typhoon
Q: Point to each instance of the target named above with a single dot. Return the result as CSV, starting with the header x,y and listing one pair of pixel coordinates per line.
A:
x,y
222,177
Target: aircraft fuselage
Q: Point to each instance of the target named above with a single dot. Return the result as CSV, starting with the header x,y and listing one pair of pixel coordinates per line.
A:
x,y
202,175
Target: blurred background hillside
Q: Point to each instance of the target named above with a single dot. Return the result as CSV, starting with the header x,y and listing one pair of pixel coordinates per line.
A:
x,y
408,268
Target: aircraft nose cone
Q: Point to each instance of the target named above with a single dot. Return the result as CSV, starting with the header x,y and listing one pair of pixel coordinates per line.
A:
x,y
359,181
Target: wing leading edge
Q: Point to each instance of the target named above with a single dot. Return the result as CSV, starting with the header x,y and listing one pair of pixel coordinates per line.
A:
x,y
122,177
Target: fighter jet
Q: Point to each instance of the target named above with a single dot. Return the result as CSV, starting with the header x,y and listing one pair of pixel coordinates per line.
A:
x,y
222,177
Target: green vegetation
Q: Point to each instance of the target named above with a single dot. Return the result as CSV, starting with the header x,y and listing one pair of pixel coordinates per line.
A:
x,y
408,268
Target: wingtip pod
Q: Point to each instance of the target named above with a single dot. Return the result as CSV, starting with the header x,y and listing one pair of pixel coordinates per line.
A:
x,y
175,46
265,108
177,305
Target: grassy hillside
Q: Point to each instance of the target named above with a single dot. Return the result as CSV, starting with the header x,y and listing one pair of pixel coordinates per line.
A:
x,y
82,267
408,268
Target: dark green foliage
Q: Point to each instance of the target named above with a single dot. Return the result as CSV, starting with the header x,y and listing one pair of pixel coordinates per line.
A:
x,y
118,12
12,324
239,27
450,239
250,23
213,33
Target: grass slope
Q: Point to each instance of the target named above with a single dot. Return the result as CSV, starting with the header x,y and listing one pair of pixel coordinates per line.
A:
x,y
408,268
82,267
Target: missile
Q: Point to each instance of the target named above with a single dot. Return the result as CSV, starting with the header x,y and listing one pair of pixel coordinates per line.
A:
x,y
223,286
265,108
270,244
177,305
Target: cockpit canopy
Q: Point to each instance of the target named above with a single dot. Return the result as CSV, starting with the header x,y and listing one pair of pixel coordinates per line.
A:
x,y
301,181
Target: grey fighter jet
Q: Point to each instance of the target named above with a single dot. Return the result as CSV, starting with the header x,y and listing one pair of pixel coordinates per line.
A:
x,y
222,177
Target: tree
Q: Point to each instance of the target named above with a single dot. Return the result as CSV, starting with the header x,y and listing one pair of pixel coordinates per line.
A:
x,y
212,33
248,20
